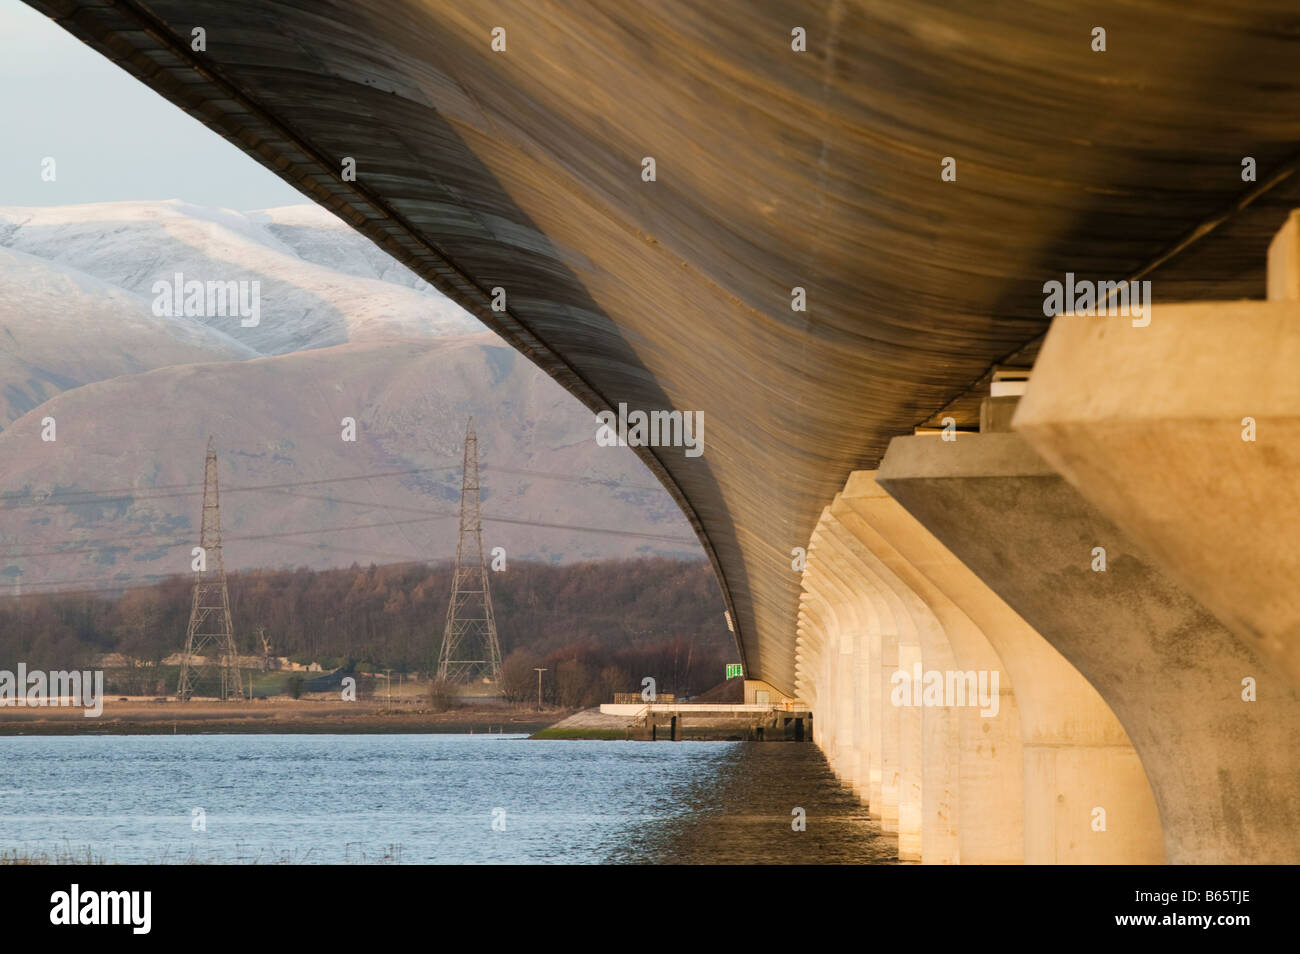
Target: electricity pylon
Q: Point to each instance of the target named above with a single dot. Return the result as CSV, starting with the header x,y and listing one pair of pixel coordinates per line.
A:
x,y
469,642
210,624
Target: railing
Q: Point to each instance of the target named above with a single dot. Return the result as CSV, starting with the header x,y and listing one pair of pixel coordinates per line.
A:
x,y
634,698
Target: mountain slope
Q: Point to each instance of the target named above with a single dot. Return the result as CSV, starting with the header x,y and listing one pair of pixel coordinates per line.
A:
x,y
294,492
345,331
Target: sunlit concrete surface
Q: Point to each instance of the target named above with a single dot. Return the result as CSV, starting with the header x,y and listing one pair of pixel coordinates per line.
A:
x,y
1225,772
1076,755
902,766
1019,786
1186,433
928,779
950,778
982,754
857,609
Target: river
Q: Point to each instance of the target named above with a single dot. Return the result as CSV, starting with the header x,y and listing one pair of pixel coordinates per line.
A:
x,y
411,799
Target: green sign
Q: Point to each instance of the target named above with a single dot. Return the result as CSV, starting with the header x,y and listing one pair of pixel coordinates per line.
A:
x,y
734,670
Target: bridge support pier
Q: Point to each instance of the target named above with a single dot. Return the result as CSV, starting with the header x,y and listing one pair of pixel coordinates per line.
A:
x,y
927,806
958,789
845,638
1075,752
1191,443
822,635
1224,771
979,757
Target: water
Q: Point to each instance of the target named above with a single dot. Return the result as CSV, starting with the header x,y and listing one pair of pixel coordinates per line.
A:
x,y
333,799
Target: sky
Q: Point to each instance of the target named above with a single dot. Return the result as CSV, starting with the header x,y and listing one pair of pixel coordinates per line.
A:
x,y
111,137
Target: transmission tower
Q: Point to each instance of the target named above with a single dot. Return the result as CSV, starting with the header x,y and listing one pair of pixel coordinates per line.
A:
x,y
210,625
469,642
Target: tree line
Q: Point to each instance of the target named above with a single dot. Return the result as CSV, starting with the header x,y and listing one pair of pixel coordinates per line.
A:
x,y
597,627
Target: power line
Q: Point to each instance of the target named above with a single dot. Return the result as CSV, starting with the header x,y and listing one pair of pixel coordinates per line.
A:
x,y
132,495
572,478
110,582
162,541
142,542
135,542
194,489
146,579
570,526
510,520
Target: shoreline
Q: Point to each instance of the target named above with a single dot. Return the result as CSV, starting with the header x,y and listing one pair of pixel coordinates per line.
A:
x,y
279,717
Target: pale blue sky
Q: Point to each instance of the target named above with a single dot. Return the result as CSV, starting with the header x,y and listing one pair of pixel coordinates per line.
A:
x,y
112,137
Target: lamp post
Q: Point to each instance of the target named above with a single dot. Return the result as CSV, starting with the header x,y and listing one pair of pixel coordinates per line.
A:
x,y
539,687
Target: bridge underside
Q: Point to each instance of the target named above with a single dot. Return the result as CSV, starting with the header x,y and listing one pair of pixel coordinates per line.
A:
x,y
521,169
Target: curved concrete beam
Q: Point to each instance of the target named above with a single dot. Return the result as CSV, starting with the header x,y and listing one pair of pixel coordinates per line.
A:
x,y
1076,754
1161,448
1225,772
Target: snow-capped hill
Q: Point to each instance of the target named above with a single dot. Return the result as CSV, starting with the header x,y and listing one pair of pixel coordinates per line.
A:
x,y
318,283
60,329
317,235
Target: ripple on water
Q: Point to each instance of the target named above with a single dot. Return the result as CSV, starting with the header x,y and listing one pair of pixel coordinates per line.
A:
x,y
428,798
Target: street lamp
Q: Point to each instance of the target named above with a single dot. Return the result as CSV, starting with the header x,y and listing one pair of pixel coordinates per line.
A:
x,y
539,687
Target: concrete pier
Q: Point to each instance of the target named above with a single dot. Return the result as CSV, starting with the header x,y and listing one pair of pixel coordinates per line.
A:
x,y
1225,772
1186,433
946,779
927,785
975,760
1076,754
